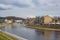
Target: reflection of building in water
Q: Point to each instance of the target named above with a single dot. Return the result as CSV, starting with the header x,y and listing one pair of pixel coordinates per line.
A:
x,y
39,31
14,25
49,35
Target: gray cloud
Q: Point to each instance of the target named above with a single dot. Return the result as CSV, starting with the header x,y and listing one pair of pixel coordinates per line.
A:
x,y
5,7
15,3
42,6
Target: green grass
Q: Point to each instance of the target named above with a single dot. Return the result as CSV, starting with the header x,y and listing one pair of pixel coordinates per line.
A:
x,y
41,26
4,36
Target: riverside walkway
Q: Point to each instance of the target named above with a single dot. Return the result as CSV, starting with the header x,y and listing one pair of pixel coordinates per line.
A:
x,y
13,36
8,36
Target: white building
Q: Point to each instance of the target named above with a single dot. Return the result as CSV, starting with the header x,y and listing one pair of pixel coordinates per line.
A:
x,y
18,21
8,21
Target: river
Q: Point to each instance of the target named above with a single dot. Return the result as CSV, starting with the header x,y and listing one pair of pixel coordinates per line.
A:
x,y
30,34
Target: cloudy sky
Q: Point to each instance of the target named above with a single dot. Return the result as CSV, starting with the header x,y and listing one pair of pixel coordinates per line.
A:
x,y
29,8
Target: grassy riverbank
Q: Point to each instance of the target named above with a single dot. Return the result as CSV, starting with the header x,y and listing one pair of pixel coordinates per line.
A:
x,y
56,28
4,36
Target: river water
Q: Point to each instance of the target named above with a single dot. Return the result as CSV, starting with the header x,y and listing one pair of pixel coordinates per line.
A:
x,y
30,34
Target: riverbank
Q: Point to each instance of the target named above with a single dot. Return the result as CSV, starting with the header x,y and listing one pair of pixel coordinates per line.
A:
x,y
8,36
4,36
40,27
4,24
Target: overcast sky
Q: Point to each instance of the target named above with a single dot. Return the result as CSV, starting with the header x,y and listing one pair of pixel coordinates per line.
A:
x,y
29,8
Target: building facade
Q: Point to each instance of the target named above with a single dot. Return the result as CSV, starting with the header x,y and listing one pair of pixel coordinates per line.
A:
x,y
47,19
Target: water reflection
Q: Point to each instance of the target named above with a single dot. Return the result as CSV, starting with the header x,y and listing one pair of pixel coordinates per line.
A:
x,y
31,34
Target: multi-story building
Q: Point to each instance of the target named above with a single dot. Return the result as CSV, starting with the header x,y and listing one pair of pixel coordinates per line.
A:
x,y
47,19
